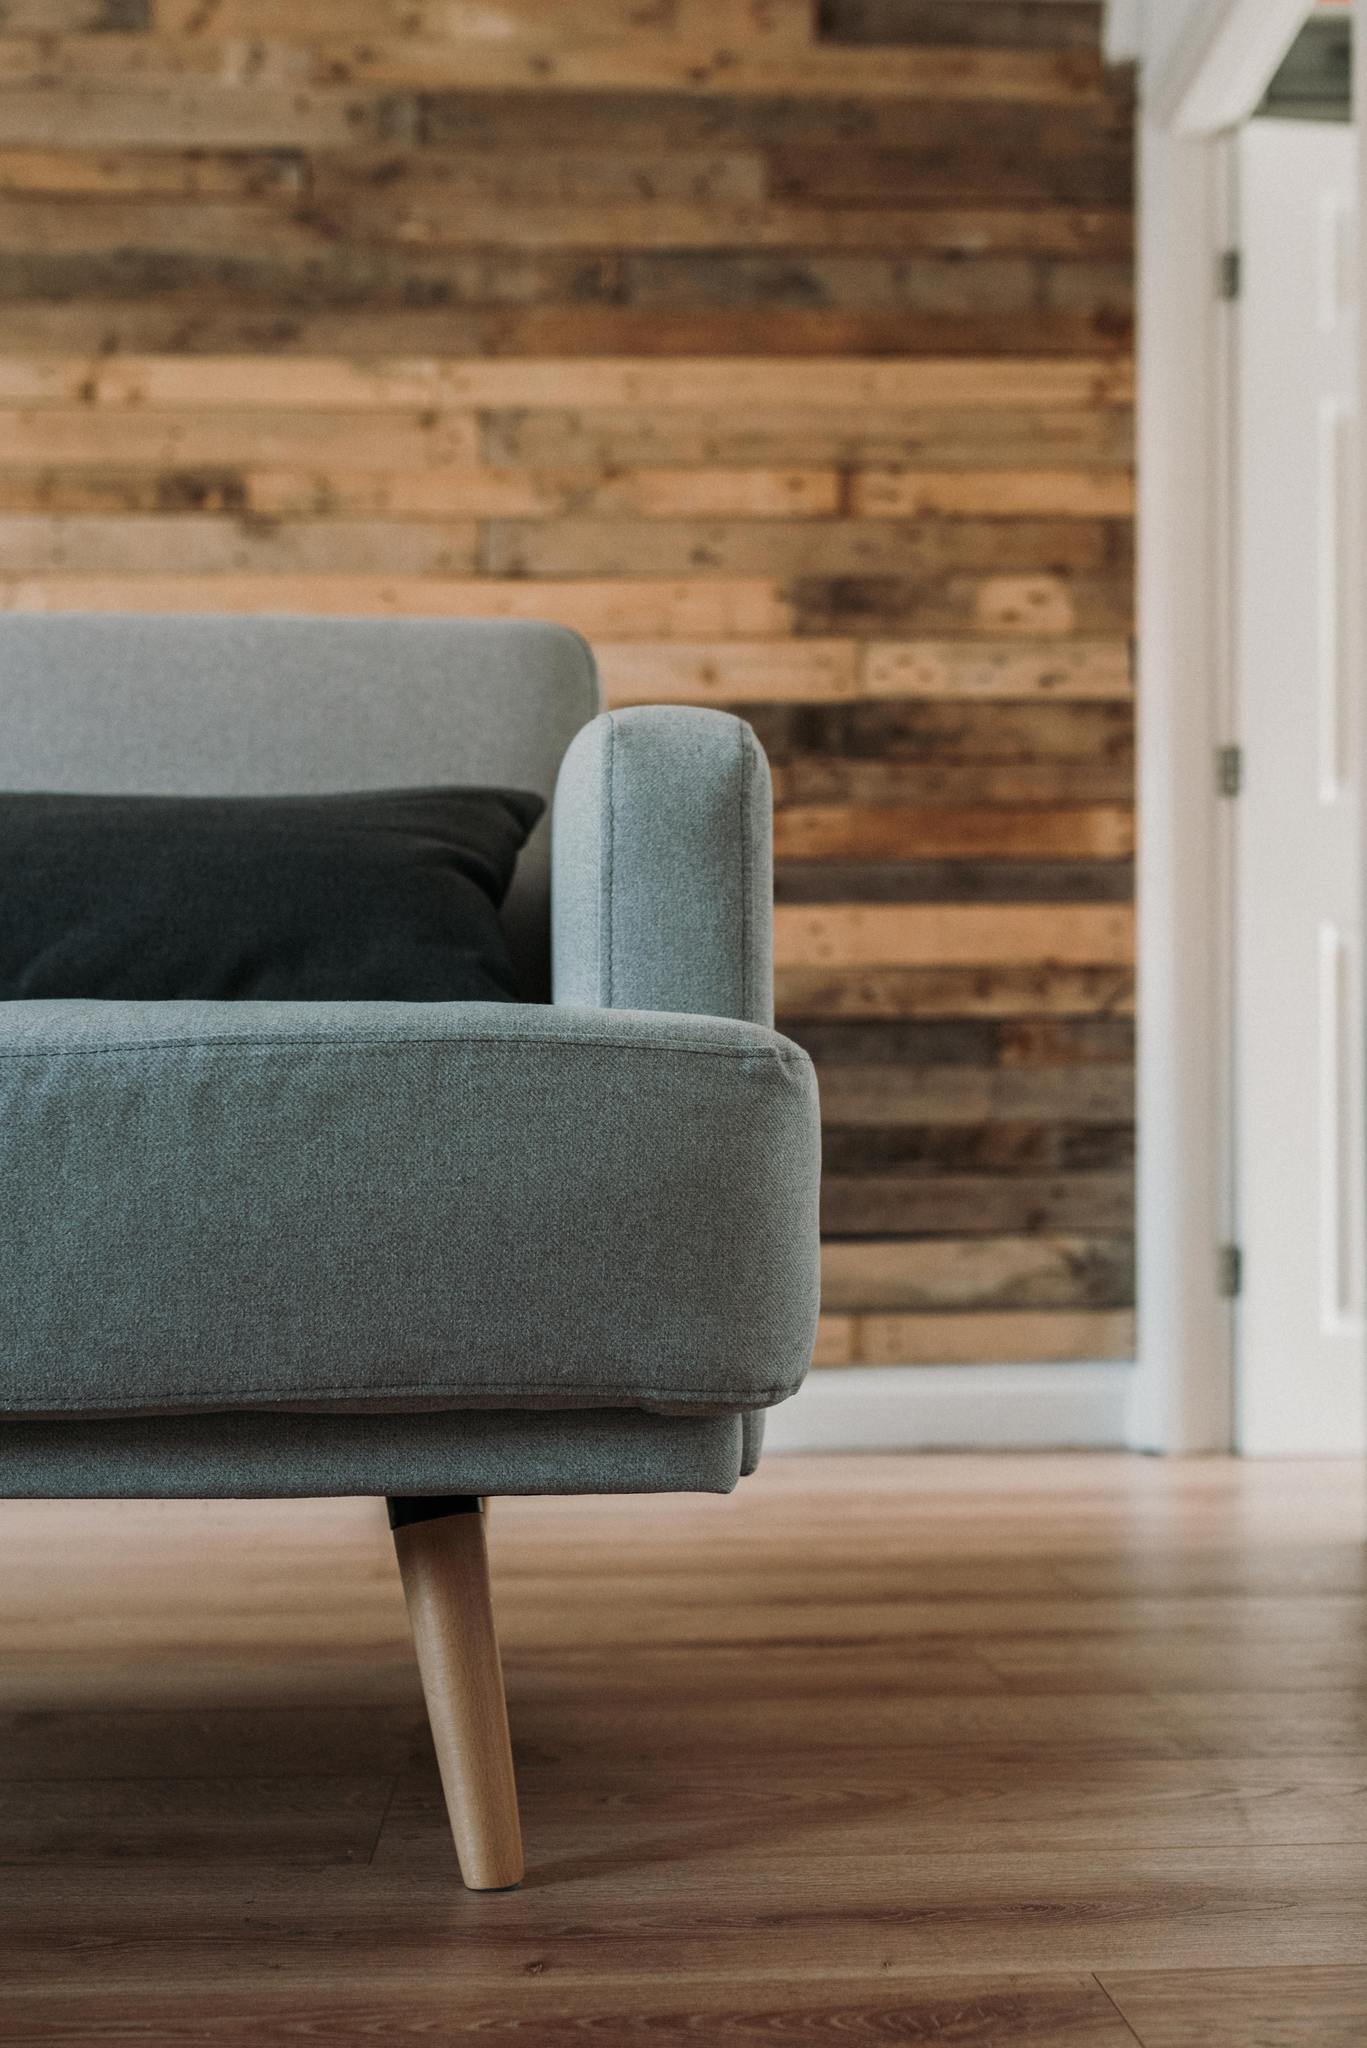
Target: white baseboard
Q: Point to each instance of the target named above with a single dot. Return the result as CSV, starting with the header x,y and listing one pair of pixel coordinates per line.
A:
x,y
954,1407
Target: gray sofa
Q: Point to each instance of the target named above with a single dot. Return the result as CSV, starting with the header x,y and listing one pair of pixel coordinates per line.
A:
x,y
437,1252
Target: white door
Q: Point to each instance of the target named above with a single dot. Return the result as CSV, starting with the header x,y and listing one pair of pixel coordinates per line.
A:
x,y
1301,1375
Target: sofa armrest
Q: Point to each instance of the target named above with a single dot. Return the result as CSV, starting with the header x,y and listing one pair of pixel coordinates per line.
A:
x,y
662,866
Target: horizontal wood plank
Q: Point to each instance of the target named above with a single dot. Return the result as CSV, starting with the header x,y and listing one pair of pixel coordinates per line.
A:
x,y
728,672
1080,778
950,1205
600,610
951,879
973,1337
895,992
1036,1042
294,383
497,21
1287,2006
835,432
1015,606
894,735
823,547
433,219
510,493
435,493
994,669
1054,493
858,935
166,439
834,832
96,545
648,62
874,1093
52,109
906,1275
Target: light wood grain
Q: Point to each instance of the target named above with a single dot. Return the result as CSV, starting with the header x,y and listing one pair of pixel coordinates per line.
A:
x,y
1277,2008
502,493
647,62
606,609
902,1276
970,1336
730,672
916,494
841,832
444,1565
994,670
936,935
295,383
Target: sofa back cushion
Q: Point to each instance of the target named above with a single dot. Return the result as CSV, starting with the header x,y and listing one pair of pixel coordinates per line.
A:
x,y
227,706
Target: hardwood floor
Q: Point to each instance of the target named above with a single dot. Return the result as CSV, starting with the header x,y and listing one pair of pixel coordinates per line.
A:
x,y
1048,1750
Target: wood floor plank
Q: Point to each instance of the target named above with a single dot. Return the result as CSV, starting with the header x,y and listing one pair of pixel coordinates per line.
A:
x,y
1067,2011
1276,2008
279,1820
1005,1750
698,1905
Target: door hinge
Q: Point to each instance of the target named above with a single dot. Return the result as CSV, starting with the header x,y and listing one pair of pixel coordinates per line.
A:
x,y
1231,273
1231,1271
1229,770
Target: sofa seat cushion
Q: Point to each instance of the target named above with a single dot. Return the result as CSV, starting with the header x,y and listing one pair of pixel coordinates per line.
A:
x,y
360,1206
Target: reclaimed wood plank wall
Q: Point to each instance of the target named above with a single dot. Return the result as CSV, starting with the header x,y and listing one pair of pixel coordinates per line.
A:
x,y
781,346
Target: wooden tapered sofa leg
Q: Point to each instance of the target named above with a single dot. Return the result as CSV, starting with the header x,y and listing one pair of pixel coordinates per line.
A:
x,y
444,1565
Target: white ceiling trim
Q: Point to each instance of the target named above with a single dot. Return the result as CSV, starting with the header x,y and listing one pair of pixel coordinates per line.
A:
x,y
1222,63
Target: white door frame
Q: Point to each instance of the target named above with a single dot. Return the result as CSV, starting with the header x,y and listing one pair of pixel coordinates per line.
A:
x,y
1298,1050
1217,69
1181,1396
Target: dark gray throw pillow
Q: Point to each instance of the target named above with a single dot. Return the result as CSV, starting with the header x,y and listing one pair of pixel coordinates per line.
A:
x,y
386,894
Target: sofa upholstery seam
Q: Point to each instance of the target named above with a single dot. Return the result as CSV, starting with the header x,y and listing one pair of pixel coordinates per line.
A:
x,y
635,1400
609,806
746,978
784,1055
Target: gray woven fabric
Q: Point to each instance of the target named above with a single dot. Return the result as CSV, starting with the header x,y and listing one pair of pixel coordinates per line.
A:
x,y
263,706
752,1441
238,1205
664,883
216,1457
663,859
199,1213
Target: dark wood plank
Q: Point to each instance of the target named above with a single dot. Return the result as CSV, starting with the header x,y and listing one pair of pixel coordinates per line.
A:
x,y
999,1150
914,730
876,1093
1006,2012
892,992
954,881
1049,1042
947,1205
1057,24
